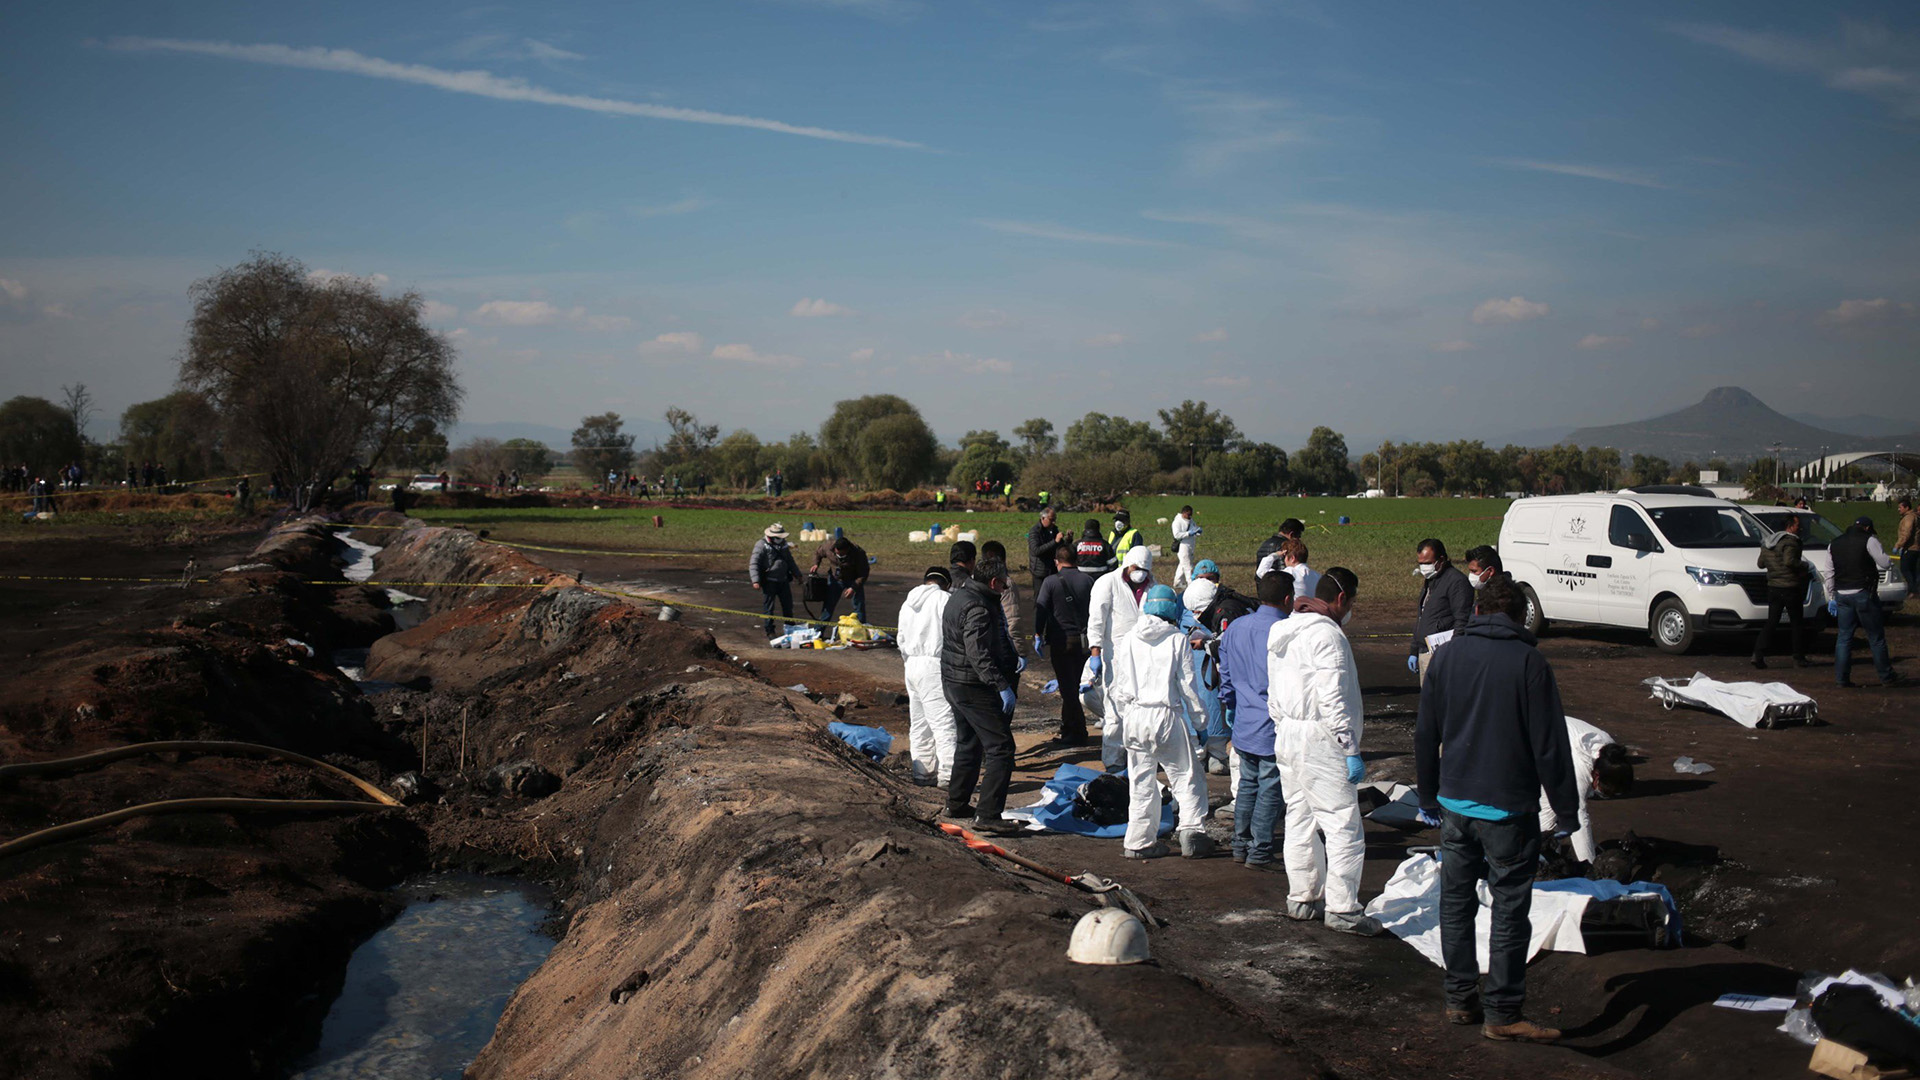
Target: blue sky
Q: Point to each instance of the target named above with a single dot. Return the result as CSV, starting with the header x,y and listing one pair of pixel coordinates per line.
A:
x,y
1406,220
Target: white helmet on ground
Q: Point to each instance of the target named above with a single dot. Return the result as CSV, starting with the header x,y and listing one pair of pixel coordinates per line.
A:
x,y
1108,936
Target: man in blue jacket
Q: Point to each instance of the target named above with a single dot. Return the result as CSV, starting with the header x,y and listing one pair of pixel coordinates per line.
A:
x,y
1491,704
1257,801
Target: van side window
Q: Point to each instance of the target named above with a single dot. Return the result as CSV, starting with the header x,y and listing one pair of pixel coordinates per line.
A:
x,y
1629,530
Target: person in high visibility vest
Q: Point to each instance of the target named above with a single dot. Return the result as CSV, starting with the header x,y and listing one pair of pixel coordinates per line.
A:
x,y
1044,500
940,498
1124,535
1007,491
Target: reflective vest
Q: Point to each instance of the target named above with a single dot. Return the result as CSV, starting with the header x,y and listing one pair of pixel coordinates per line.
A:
x,y
1122,541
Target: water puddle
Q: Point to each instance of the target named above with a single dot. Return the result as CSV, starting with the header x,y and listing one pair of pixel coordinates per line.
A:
x,y
359,556
423,995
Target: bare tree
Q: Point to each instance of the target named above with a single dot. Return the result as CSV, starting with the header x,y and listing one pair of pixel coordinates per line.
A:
x,y
78,401
310,376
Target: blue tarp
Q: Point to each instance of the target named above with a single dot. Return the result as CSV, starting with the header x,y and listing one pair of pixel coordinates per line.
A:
x,y
1608,889
871,741
1057,815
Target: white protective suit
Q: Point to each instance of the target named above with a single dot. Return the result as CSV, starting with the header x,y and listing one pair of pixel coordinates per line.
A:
x,y
1183,542
1110,615
1587,741
930,723
1313,694
1152,681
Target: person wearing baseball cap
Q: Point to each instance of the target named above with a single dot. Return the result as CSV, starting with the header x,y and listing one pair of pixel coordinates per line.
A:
x,y
1857,562
772,569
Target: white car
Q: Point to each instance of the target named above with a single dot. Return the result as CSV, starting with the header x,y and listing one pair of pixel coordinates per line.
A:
x,y
1816,533
1675,565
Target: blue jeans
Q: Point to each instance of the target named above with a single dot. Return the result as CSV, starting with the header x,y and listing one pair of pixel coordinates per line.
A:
x,y
1505,854
1257,806
1862,608
834,588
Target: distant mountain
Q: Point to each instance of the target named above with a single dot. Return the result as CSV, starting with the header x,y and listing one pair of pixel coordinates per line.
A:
x,y
1858,424
1727,423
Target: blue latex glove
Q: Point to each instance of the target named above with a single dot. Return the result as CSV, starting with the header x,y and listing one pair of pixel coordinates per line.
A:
x,y
1039,646
1413,663
1019,664
1356,769
1428,818
1195,531
1094,665
1052,687
1006,702
1562,834
1833,608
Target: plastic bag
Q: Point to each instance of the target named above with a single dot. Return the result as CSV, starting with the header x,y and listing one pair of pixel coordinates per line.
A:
x,y
852,629
1093,697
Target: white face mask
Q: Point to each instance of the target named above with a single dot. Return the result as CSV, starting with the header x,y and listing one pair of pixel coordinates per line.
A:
x,y
1427,569
1347,618
1479,581
1136,575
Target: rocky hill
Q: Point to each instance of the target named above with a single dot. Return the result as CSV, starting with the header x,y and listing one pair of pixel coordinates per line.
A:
x,y
1728,423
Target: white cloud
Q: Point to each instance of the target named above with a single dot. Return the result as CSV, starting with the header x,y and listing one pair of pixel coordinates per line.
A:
x,y
1602,341
467,337
1862,59
991,365
1209,335
676,342
1867,312
1107,340
1590,172
517,313
13,289
680,206
1233,125
1453,346
540,50
747,354
478,83
1649,323
860,356
1702,330
435,311
1511,310
817,309
56,311
1046,231
948,362
605,324
328,277
985,319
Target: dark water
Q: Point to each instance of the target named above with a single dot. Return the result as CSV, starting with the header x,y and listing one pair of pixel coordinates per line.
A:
x,y
423,995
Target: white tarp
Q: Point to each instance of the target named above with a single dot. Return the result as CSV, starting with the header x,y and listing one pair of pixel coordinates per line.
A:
x,y
1745,702
1410,910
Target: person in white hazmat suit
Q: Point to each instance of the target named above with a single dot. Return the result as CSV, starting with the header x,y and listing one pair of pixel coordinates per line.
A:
x,y
1600,766
930,721
1112,613
1313,695
1151,682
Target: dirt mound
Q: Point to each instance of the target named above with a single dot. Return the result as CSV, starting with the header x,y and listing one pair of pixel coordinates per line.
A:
x,y
444,559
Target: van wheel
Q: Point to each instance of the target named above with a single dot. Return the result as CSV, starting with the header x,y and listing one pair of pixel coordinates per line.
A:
x,y
1671,629
1536,620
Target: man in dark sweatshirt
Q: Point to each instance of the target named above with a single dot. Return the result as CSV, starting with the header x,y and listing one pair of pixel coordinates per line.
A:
x,y
1446,602
1060,612
1491,736
979,672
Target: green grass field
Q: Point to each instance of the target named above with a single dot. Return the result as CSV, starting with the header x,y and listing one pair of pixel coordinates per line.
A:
x,y
1377,544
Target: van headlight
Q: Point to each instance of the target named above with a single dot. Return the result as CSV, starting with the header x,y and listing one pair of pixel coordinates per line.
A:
x,y
1707,577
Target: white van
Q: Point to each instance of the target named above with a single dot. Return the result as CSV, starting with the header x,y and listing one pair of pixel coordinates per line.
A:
x,y
1674,565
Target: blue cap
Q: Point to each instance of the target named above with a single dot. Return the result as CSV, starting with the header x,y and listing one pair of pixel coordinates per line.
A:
x,y
1161,603
1205,567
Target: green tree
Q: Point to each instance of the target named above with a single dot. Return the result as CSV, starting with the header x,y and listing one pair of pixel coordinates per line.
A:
x,y
1193,431
992,459
1321,465
1647,469
180,431
1036,438
1097,433
38,434
1253,469
529,457
310,376
601,447
688,439
737,460
880,434
422,447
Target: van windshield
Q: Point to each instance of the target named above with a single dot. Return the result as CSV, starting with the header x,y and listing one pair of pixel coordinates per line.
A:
x,y
1708,526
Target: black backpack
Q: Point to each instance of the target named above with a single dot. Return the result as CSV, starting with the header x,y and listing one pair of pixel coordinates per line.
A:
x,y
1227,606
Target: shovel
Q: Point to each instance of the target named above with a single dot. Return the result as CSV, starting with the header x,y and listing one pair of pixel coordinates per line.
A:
x,y
1109,892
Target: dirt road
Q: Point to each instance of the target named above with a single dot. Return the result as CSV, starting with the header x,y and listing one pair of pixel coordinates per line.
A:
x,y
1796,854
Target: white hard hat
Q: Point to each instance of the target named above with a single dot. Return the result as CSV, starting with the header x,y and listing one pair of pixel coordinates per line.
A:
x,y
1108,936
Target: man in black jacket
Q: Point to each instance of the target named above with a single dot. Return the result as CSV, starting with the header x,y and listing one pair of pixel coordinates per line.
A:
x,y
1041,540
1787,577
1446,603
978,670
847,570
1290,529
1060,612
1490,737
1853,586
